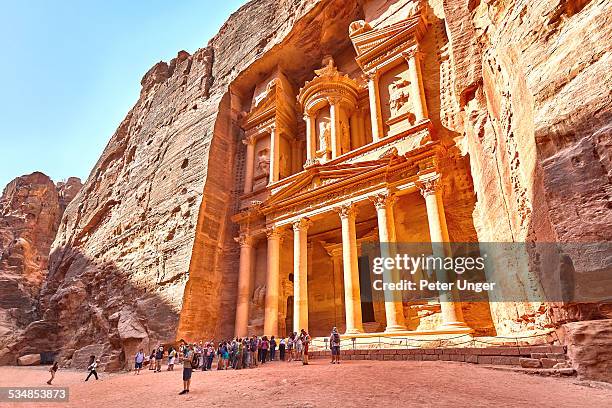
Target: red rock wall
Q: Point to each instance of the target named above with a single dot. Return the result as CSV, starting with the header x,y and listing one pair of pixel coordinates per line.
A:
x,y
533,86
31,208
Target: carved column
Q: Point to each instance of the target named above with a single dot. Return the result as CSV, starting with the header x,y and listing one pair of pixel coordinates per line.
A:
x,y
272,282
394,309
352,293
334,113
311,143
452,315
249,141
274,154
374,106
300,274
244,285
417,91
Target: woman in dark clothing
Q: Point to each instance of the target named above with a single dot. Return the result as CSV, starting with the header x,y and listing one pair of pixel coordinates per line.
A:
x,y
93,364
281,349
272,348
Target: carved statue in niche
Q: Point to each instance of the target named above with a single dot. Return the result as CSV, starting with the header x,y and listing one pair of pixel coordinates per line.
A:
x,y
398,95
263,162
345,137
324,139
284,169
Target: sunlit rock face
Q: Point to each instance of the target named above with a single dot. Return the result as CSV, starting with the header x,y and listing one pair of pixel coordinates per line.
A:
x,y
515,99
31,207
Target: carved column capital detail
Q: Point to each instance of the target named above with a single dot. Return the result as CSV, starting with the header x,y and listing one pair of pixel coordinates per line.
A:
x,y
429,186
274,233
412,52
244,240
248,140
333,100
383,199
302,224
346,210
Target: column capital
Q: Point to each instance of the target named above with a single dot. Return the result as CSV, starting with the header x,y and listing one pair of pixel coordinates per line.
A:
x,y
413,52
371,75
249,140
302,224
429,186
333,100
383,199
346,210
274,233
245,240
271,128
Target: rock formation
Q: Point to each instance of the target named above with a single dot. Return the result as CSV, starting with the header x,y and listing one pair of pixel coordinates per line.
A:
x,y
518,92
31,208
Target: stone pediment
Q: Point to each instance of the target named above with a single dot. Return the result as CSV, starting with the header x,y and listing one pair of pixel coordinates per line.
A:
x,y
321,177
374,46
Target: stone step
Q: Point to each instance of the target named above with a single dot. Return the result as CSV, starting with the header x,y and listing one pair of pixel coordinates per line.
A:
x,y
557,372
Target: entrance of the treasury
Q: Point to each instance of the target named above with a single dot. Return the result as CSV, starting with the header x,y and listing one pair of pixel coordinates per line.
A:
x,y
336,158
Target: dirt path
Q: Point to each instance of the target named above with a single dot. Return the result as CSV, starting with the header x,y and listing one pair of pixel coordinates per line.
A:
x,y
352,384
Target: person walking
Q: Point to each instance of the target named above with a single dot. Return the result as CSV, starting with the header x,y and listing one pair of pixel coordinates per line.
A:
x,y
138,361
272,348
281,349
334,343
53,370
305,343
93,365
190,360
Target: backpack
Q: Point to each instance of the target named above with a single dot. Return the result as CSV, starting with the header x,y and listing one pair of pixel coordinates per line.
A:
x,y
195,360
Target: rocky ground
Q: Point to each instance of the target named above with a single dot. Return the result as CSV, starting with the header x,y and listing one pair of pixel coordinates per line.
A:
x,y
352,384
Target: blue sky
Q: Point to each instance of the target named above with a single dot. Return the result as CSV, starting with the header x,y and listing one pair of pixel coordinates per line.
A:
x,y
71,70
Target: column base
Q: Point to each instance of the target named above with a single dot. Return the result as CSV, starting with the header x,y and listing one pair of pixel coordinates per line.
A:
x,y
454,327
353,331
395,328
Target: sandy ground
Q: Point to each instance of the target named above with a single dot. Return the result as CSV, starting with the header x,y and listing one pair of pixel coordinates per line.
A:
x,y
351,384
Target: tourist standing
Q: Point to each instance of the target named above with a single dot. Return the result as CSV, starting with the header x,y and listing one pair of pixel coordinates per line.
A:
x,y
152,359
93,365
265,344
334,344
189,361
281,349
290,344
246,353
138,361
159,356
210,355
53,370
254,351
298,346
272,348
305,343
171,358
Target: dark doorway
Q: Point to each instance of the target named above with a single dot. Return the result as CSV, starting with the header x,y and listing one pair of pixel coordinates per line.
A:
x,y
365,290
289,318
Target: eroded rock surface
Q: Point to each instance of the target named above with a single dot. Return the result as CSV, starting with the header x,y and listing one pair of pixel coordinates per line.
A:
x,y
31,208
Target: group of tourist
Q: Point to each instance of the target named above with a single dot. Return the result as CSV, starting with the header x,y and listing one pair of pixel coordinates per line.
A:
x,y
238,353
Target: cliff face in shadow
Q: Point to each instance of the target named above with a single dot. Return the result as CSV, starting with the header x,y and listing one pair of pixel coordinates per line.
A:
x,y
31,207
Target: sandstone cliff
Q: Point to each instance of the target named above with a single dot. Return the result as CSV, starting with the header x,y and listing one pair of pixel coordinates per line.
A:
x,y
31,208
521,89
